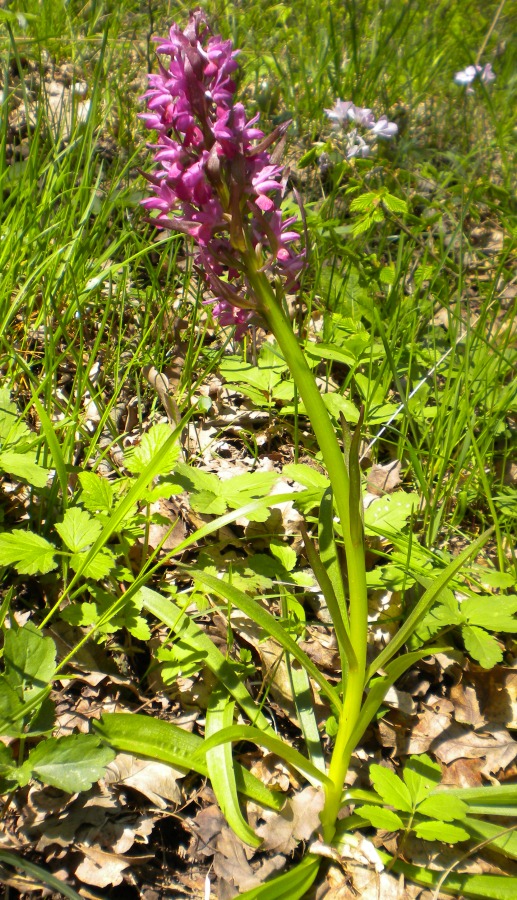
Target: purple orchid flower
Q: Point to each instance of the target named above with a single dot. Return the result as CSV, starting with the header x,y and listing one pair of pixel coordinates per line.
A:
x,y
214,178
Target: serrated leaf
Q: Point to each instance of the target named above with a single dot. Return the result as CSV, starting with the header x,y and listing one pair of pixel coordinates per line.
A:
x,y
164,489
363,202
380,817
421,775
494,578
72,763
440,831
96,493
481,646
493,613
29,553
285,555
78,529
391,788
337,405
139,628
22,466
394,204
151,448
98,567
440,806
30,659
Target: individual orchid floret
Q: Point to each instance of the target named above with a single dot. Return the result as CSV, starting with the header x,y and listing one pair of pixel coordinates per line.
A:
x,y
467,76
214,178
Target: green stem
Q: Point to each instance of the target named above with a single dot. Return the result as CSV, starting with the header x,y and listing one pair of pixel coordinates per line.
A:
x,y
271,309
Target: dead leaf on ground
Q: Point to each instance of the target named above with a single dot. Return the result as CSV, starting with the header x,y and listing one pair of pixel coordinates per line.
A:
x,y
383,479
102,869
448,740
361,882
297,821
156,781
231,857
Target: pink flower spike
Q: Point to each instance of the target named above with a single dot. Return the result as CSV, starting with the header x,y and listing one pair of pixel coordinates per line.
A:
x,y
214,178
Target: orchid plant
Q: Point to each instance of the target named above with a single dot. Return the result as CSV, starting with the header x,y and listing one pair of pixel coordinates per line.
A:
x,y
215,181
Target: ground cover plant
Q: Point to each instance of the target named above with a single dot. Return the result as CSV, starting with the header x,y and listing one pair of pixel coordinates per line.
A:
x,y
257,419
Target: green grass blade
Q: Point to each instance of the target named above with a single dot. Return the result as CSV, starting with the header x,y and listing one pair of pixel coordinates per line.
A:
x,y
54,447
303,702
499,838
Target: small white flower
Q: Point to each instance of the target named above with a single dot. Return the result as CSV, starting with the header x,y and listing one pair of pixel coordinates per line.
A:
x,y
384,129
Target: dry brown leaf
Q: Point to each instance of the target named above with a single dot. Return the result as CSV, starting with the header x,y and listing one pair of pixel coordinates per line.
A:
x,y
463,773
155,780
497,694
383,479
366,884
466,705
102,869
297,821
171,533
448,741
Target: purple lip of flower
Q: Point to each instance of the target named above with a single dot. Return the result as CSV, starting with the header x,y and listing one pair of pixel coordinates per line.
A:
x,y
471,73
214,179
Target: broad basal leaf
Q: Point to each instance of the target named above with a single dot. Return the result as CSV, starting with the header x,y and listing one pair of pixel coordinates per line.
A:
x,y
29,553
72,763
